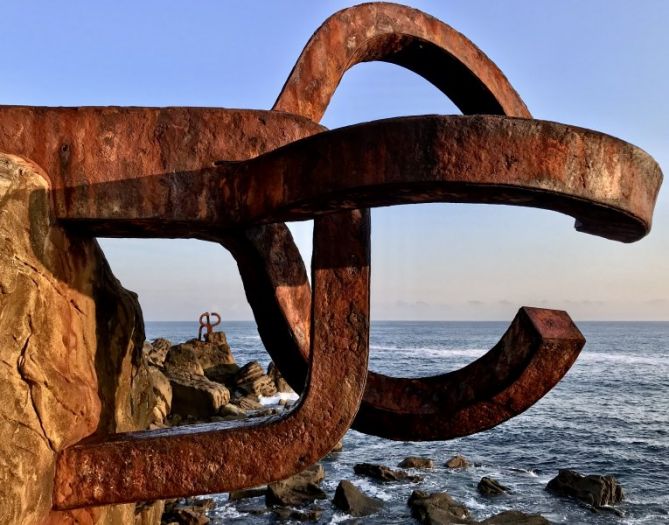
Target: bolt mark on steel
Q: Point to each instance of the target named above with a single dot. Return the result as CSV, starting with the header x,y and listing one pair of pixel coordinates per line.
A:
x,y
233,176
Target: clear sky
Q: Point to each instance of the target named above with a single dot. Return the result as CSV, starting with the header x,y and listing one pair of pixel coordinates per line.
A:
x,y
599,64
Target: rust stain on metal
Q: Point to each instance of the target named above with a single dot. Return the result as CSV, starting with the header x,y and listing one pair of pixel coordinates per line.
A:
x,y
206,324
233,175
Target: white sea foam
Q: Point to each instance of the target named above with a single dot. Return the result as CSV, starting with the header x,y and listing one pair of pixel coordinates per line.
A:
x,y
274,400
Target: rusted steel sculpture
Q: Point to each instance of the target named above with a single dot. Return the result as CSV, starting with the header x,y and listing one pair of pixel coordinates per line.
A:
x,y
206,324
231,176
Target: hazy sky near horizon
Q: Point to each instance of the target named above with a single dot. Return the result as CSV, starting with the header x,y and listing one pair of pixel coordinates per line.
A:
x,y
600,64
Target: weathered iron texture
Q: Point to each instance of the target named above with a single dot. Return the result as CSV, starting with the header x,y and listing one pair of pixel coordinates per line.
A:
x,y
206,324
231,176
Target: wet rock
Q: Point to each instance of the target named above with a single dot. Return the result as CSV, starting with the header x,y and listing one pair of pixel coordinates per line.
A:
x,y
253,508
353,501
223,374
437,508
247,403
280,383
297,490
181,360
382,473
338,447
514,517
416,462
252,379
284,513
237,495
457,462
491,487
186,516
594,490
196,396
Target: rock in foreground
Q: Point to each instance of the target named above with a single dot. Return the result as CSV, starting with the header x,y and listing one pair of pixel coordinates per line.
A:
x,y
598,491
491,487
437,508
353,501
297,490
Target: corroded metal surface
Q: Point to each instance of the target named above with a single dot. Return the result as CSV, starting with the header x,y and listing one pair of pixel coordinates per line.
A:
x,y
231,176
206,324
212,458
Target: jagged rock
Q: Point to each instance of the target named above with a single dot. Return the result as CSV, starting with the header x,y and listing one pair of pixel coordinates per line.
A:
x,y
162,391
416,462
284,513
247,403
280,383
252,380
515,517
297,490
157,351
491,487
437,508
598,491
382,473
237,495
181,360
224,374
457,462
216,338
353,501
186,516
338,447
195,395
210,354
70,332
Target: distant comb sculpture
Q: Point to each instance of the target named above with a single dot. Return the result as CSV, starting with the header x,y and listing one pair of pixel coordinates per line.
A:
x,y
233,175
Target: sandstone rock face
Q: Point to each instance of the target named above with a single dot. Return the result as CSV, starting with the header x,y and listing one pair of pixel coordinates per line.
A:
x,y
214,351
281,384
515,517
252,379
598,491
457,462
69,340
195,395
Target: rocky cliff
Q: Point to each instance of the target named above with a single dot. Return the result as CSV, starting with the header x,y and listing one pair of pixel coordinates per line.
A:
x,y
70,352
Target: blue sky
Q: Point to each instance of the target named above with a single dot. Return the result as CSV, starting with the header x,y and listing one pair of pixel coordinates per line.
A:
x,y
600,64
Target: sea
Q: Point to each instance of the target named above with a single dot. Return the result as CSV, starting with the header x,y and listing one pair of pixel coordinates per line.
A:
x,y
609,415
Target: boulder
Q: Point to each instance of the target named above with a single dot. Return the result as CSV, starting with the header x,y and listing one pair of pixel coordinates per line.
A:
x,y
182,360
231,410
280,383
210,354
195,395
70,335
416,462
515,517
382,473
594,490
297,490
491,487
338,447
353,501
437,508
156,352
224,374
252,380
457,462
247,403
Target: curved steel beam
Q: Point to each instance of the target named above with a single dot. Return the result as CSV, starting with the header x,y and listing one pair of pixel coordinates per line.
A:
x,y
219,457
